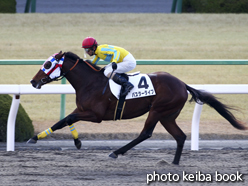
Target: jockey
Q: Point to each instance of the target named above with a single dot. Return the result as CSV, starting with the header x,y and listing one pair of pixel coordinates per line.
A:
x,y
113,54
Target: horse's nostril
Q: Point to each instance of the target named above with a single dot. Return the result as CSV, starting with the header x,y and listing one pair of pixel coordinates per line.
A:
x,y
33,83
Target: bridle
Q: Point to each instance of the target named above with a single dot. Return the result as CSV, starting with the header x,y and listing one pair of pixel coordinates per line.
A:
x,y
47,79
65,73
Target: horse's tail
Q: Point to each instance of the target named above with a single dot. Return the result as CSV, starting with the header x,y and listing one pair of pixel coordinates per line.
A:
x,y
205,97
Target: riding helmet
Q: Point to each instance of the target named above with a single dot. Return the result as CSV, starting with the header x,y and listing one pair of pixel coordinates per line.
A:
x,y
89,42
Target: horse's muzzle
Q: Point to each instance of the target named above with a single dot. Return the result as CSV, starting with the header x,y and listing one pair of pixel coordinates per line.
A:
x,y
35,84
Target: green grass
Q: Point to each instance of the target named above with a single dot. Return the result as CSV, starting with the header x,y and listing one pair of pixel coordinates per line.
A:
x,y
146,36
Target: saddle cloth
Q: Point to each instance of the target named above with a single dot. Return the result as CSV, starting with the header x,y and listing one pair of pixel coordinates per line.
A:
x,y
143,87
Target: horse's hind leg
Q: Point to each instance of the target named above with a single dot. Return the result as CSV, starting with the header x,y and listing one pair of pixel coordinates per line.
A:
x,y
171,126
145,134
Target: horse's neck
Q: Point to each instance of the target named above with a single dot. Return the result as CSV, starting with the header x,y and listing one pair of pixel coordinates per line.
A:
x,y
79,77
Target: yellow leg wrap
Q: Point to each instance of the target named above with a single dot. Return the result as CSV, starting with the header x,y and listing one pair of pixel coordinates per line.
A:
x,y
73,132
44,133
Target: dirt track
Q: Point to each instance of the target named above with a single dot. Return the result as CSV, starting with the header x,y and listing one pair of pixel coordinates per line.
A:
x,y
57,167
94,167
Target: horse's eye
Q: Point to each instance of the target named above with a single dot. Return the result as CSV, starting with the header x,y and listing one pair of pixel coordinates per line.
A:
x,y
48,65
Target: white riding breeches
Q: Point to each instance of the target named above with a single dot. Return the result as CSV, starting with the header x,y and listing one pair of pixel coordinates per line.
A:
x,y
128,64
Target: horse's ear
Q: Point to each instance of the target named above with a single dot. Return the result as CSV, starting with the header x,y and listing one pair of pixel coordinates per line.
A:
x,y
59,55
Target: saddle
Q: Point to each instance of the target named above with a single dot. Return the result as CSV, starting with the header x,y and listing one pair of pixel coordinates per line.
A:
x,y
143,87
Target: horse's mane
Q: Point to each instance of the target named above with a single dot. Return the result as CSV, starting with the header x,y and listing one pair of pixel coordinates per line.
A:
x,y
76,57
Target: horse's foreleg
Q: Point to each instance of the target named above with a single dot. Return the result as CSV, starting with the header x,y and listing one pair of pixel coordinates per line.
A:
x,y
179,136
70,120
145,134
76,116
59,125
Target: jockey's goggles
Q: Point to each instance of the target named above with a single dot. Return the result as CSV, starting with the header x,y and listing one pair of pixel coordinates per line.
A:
x,y
87,49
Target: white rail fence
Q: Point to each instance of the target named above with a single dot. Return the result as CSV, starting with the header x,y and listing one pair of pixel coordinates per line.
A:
x,y
23,89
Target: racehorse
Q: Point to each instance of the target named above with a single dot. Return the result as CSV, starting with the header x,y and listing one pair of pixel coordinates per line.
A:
x,y
88,81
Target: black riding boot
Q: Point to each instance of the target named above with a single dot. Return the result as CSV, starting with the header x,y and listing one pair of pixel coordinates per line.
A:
x,y
123,82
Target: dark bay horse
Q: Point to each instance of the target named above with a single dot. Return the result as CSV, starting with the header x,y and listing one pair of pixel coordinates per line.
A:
x,y
89,81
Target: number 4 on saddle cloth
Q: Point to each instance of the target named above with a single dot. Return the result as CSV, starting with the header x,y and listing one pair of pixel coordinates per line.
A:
x,y
143,87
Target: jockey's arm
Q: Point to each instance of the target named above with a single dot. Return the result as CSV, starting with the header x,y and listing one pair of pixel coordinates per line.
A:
x,y
111,52
95,60
116,55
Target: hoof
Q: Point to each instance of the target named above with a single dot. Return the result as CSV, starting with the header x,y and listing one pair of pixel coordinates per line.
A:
x,y
175,163
77,143
113,155
31,140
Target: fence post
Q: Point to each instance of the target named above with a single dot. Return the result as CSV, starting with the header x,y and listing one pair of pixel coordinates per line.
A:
x,y
62,102
195,127
173,7
11,123
27,6
177,4
33,6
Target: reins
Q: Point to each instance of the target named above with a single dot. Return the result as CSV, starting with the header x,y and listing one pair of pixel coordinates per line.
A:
x,y
93,68
64,74
74,65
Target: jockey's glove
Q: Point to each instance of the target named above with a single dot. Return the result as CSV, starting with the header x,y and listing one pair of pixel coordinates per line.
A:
x,y
114,66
